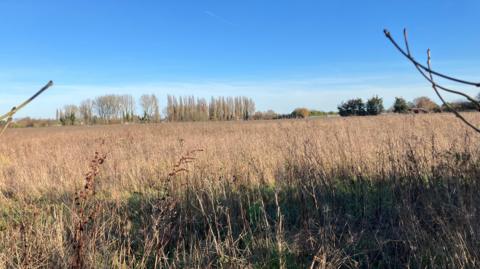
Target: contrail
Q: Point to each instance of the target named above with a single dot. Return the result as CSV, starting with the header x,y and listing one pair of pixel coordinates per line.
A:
x,y
215,16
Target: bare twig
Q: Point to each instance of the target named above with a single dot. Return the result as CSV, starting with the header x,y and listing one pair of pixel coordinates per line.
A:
x,y
9,120
422,69
22,105
180,166
427,73
9,115
410,57
434,86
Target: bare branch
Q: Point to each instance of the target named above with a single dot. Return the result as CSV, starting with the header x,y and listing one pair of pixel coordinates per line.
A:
x,y
17,108
430,78
434,86
422,69
405,37
426,69
9,115
9,120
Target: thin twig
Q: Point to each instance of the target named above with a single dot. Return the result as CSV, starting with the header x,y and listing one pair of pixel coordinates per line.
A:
x,y
22,105
434,86
9,120
422,69
389,36
9,115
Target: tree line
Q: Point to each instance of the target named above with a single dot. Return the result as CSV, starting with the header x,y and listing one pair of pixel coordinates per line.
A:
x,y
110,108
356,107
189,108
374,106
113,108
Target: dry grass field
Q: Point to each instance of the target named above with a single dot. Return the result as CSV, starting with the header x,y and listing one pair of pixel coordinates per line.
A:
x,y
359,192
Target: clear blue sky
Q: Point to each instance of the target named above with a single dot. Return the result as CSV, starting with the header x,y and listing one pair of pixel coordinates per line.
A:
x,y
284,54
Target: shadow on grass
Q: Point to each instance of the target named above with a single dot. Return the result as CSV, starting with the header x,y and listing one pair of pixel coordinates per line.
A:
x,y
350,223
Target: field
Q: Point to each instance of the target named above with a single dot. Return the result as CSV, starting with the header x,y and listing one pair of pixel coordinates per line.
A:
x,y
359,192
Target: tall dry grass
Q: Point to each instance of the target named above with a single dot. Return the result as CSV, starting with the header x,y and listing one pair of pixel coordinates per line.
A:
x,y
387,191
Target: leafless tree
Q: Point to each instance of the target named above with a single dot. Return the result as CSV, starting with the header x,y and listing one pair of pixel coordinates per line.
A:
x,y
425,103
249,107
212,110
127,107
171,100
430,75
150,106
69,115
86,111
185,108
107,107
220,108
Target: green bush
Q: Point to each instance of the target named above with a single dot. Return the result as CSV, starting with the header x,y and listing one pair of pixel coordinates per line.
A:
x,y
400,105
353,107
375,106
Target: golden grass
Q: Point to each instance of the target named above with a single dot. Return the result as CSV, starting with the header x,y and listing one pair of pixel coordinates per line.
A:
x,y
213,202
53,160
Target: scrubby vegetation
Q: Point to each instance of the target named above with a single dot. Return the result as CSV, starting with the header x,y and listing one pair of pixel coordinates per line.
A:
x,y
400,105
352,107
301,113
356,107
397,191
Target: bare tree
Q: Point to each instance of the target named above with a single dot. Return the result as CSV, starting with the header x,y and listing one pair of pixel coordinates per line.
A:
x,y
127,107
248,108
156,109
69,115
429,75
425,103
151,108
107,107
189,108
102,108
212,109
86,111
202,108
171,100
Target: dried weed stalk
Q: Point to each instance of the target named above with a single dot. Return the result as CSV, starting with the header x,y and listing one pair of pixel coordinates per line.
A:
x,y
181,165
85,211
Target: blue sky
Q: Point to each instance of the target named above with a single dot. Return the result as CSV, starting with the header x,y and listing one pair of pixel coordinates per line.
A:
x,y
284,54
